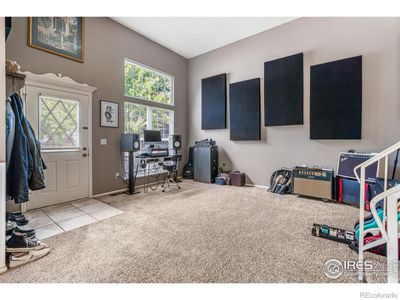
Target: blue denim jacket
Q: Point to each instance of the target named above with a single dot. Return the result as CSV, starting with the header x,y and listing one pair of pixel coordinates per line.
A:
x,y
10,131
20,164
36,166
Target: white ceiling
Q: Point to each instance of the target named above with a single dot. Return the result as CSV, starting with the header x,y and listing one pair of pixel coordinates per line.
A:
x,y
191,37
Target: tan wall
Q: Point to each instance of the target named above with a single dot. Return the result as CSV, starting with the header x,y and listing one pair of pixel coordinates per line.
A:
x,y
321,40
106,45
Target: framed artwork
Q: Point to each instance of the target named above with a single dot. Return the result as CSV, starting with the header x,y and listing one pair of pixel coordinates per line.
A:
x,y
108,114
63,36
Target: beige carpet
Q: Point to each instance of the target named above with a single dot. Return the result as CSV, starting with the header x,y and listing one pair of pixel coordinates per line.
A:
x,y
201,233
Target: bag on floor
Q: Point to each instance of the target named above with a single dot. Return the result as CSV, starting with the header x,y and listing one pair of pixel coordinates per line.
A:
x,y
281,182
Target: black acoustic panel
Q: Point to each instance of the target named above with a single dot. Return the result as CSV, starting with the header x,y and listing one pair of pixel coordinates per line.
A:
x,y
283,91
244,107
213,102
336,99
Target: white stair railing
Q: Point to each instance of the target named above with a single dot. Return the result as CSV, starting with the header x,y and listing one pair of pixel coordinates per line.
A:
x,y
390,231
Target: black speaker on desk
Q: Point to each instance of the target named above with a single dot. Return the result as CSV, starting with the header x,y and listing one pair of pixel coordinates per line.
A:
x,y
130,142
205,163
176,142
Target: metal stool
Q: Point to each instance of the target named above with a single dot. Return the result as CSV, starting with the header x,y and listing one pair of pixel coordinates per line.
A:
x,y
171,166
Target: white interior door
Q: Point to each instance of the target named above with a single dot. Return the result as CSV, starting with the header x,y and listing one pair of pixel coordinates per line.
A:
x,y
60,120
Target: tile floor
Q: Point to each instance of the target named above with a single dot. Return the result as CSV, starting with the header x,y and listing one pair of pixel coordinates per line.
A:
x,y
53,220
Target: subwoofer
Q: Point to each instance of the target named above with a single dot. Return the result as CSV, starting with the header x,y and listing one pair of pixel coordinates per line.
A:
x,y
176,140
313,182
130,142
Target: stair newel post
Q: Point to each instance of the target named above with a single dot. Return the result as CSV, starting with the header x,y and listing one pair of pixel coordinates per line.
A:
x,y
361,234
392,243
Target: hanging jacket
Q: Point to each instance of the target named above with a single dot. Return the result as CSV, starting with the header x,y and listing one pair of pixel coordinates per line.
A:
x,y
10,131
21,164
37,165
36,179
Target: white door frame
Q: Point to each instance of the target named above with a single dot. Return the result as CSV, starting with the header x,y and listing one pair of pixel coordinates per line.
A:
x,y
3,267
66,84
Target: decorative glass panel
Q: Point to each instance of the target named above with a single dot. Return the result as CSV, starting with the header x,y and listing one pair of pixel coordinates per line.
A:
x,y
58,123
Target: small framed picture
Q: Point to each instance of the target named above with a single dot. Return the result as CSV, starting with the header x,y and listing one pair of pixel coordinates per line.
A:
x,y
108,114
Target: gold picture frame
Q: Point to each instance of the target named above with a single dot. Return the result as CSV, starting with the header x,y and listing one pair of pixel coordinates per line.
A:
x,y
37,41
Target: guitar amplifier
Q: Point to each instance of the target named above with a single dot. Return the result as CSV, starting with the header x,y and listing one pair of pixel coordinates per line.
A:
x,y
349,160
313,182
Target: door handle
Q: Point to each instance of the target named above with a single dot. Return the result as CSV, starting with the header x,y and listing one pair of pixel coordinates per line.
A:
x,y
84,154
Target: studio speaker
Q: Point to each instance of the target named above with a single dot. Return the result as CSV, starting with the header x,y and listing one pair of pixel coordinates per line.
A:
x,y
130,142
176,141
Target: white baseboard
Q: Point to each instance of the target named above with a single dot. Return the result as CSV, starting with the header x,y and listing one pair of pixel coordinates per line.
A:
x,y
256,185
109,193
124,190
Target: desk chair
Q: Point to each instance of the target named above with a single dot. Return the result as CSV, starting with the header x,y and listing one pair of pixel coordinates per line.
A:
x,y
172,167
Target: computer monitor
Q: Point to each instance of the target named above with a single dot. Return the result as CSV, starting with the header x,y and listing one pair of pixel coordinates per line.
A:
x,y
152,136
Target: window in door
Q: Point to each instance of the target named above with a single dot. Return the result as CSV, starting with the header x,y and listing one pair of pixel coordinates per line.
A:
x,y
58,124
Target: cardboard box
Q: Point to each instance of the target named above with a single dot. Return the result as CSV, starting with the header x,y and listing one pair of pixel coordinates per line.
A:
x,y
237,178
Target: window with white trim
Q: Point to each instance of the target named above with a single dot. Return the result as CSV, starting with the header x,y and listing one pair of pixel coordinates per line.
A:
x,y
145,83
157,113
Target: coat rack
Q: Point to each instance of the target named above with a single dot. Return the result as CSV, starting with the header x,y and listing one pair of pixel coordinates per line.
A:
x,y
14,82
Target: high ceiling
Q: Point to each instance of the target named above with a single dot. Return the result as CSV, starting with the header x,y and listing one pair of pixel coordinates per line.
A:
x,y
191,37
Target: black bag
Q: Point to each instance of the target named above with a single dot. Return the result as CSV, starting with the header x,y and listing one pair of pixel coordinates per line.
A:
x,y
281,182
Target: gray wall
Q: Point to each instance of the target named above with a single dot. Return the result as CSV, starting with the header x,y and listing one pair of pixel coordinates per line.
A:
x,y
106,45
321,40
